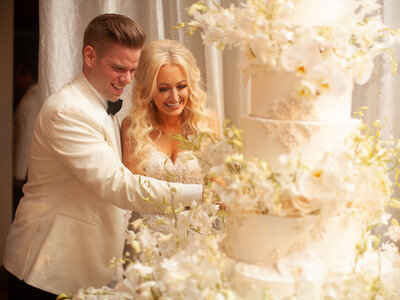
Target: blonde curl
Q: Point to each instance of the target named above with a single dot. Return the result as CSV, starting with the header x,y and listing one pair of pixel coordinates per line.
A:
x,y
143,126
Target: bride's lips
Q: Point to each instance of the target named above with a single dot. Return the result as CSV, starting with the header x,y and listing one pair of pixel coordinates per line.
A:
x,y
173,105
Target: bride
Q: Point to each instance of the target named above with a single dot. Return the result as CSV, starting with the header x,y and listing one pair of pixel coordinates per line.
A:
x,y
167,100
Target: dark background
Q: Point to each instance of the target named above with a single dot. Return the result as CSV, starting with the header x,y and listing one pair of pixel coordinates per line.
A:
x,y
26,46
26,36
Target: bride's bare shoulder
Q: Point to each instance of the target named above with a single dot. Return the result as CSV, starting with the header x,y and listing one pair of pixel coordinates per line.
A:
x,y
126,123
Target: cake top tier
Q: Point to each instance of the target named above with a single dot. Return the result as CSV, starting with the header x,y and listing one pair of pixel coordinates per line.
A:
x,y
310,12
281,34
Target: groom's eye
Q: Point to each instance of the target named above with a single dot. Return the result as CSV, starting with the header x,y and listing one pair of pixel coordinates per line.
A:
x,y
118,68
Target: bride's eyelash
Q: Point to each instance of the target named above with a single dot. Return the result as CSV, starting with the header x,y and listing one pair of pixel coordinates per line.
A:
x,y
180,87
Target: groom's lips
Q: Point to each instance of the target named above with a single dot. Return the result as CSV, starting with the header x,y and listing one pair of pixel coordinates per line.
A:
x,y
120,88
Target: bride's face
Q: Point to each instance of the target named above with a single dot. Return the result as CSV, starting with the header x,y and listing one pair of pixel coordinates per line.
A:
x,y
172,91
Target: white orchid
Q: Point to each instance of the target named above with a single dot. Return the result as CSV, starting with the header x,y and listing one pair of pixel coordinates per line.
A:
x,y
264,30
393,232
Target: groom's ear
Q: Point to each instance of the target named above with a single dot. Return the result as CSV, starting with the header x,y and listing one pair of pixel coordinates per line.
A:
x,y
89,56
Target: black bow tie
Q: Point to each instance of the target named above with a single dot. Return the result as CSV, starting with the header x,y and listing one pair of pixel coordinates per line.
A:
x,y
114,106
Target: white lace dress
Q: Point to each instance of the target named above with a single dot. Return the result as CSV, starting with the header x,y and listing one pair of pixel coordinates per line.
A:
x,y
185,169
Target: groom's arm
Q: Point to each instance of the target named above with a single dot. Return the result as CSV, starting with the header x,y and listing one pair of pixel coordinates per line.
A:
x,y
76,137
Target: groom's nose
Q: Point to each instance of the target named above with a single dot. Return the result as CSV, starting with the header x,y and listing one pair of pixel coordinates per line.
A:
x,y
127,77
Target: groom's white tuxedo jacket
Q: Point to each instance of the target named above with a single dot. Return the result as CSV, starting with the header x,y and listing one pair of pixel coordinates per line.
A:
x,y
71,221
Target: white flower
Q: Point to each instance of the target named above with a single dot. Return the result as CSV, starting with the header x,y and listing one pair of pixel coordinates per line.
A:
x,y
142,269
362,67
391,250
329,77
147,239
195,7
270,38
393,233
301,56
383,219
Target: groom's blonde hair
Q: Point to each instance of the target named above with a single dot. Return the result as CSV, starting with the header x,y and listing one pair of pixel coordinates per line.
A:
x,y
107,28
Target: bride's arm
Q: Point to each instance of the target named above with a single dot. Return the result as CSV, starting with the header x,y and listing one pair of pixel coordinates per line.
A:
x,y
189,191
128,147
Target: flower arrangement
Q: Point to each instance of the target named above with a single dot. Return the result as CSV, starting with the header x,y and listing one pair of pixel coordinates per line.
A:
x,y
187,262
271,35
354,181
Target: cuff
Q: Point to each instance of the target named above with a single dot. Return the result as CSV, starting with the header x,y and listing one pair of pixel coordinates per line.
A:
x,y
190,193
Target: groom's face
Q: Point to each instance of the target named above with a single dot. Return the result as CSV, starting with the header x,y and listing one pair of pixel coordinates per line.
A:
x,y
112,69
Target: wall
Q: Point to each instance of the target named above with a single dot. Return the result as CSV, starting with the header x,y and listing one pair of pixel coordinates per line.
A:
x,y
6,71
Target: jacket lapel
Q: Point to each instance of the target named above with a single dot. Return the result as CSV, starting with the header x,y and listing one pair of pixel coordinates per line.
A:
x,y
110,125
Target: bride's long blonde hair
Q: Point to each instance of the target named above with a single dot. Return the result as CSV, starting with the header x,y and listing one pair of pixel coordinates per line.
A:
x,y
143,127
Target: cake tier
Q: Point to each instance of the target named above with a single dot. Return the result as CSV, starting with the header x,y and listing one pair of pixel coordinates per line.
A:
x,y
266,240
305,140
275,95
315,12
253,282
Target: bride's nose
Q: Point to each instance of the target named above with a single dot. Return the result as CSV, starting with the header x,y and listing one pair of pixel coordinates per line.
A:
x,y
174,94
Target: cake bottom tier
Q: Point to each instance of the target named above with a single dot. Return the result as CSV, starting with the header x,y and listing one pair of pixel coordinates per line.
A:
x,y
266,240
308,281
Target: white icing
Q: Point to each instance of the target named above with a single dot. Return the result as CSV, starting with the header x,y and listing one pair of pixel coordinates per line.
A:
x,y
315,12
255,282
305,140
265,240
273,96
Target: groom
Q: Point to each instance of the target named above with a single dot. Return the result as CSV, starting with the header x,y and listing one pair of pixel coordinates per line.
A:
x,y
71,221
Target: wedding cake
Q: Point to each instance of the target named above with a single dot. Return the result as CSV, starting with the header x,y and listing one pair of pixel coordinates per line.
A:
x,y
302,66
300,197
297,112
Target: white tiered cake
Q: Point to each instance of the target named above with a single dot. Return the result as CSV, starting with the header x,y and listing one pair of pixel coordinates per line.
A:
x,y
300,113
302,107
283,122
296,112
292,254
